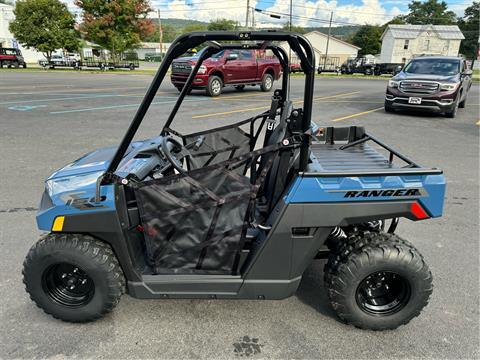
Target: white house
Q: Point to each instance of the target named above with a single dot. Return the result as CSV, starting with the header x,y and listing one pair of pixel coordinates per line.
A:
x,y
338,50
6,37
400,43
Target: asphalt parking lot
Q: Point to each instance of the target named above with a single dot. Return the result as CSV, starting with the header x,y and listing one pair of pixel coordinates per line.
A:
x,y
49,119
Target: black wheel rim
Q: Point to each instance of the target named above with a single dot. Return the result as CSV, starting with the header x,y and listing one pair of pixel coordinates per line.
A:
x,y
68,285
383,293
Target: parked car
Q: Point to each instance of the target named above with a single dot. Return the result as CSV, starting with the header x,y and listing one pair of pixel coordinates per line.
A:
x,y
59,60
153,57
432,83
237,68
294,68
363,65
11,57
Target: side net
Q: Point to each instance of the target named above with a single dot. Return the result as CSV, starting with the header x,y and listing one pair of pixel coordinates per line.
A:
x,y
196,222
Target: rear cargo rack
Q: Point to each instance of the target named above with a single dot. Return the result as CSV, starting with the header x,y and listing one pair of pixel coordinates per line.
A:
x,y
339,152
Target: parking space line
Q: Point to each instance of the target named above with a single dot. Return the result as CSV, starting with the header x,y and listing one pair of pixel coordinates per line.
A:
x,y
57,99
266,107
357,114
80,89
116,107
478,123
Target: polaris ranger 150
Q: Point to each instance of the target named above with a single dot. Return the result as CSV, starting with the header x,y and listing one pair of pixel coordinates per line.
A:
x,y
236,212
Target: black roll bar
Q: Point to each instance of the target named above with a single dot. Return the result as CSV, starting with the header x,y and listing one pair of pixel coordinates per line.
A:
x,y
300,45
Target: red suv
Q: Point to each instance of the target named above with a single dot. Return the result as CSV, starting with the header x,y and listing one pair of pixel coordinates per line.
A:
x,y
237,68
11,58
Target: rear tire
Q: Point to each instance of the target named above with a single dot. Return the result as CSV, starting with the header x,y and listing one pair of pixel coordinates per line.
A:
x,y
215,85
378,283
267,83
73,277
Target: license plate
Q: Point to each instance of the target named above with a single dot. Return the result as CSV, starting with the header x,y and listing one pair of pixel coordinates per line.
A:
x,y
414,100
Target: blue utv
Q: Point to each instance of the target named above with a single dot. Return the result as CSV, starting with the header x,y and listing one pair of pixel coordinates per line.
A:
x,y
238,211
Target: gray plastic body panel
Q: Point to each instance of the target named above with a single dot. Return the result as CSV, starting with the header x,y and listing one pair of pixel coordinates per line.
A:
x,y
275,270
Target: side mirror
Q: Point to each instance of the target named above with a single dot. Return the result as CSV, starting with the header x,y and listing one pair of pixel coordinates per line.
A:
x,y
397,69
231,56
468,72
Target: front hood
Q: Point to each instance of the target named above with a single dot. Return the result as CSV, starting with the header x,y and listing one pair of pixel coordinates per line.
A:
x,y
407,76
193,60
95,161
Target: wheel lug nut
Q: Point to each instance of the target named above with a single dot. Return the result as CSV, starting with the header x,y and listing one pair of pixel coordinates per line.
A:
x,y
64,276
75,270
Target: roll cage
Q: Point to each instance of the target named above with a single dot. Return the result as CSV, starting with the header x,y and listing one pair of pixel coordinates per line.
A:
x,y
255,40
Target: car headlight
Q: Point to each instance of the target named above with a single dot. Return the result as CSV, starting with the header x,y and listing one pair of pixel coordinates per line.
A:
x,y
202,69
448,86
68,183
393,83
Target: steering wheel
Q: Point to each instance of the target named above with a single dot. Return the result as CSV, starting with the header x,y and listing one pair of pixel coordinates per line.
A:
x,y
175,152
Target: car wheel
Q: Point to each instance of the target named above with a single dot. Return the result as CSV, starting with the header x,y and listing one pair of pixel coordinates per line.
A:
x,y
267,82
240,87
381,283
462,104
132,67
24,65
453,113
215,85
73,277
388,107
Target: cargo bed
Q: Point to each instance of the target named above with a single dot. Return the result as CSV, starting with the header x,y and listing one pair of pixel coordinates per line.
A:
x,y
349,152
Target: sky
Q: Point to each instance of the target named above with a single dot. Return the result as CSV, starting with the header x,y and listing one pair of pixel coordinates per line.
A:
x,y
306,12
312,13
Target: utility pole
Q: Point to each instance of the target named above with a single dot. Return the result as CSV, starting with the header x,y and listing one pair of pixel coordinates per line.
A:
x,y
160,31
328,40
248,13
291,7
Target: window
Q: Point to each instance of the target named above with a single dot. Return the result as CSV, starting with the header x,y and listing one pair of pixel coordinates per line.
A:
x,y
426,45
405,45
246,55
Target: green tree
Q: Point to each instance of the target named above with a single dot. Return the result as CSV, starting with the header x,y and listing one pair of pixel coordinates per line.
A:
x,y
116,25
295,29
44,25
222,24
170,33
194,27
470,26
429,12
368,39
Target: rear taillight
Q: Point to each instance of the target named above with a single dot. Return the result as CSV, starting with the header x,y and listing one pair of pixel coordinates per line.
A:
x,y
417,210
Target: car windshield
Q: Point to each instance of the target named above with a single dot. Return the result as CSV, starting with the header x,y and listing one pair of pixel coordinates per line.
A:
x,y
443,67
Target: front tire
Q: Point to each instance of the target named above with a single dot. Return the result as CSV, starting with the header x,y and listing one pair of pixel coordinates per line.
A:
x,y
453,112
388,107
73,277
215,85
267,83
382,282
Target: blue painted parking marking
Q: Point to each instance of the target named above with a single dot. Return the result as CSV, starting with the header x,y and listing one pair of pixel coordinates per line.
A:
x,y
58,99
26,107
122,106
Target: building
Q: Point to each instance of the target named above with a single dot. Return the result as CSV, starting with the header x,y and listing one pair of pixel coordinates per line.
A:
x,y
6,37
338,50
151,48
400,43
